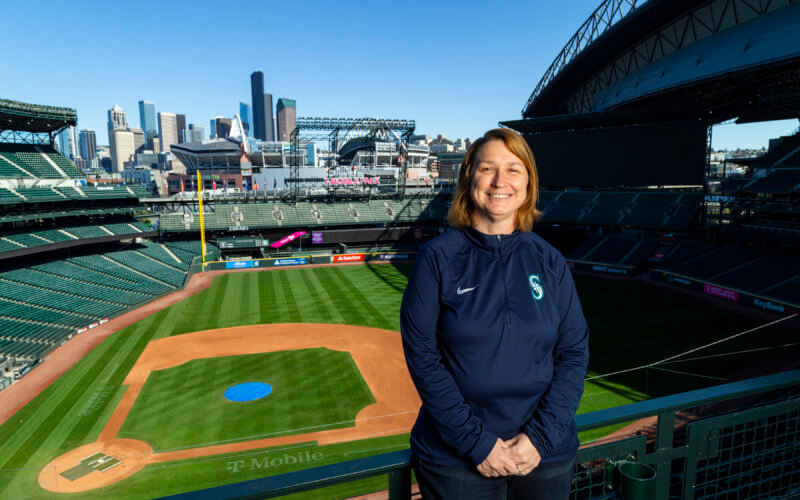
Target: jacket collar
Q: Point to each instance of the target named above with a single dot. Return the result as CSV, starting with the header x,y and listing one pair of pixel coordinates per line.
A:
x,y
496,244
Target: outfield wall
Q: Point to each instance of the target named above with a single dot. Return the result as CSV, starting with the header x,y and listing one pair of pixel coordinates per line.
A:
x,y
742,297
304,259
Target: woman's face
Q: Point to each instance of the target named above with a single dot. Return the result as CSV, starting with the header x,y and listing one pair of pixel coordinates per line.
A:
x,y
499,188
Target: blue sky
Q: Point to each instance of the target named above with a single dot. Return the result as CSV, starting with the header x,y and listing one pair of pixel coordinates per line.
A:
x,y
455,67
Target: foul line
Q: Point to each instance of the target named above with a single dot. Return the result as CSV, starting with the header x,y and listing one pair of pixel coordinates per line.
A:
x,y
655,363
745,351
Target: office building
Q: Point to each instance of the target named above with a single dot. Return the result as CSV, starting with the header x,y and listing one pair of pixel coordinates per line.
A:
x,y
167,130
117,118
257,99
246,115
180,121
286,113
212,131
223,127
88,141
269,121
122,148
195,133
147,119
263,124
66,143
149,137
138,140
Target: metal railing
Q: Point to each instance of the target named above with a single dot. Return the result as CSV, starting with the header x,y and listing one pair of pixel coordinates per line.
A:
x,y
750,452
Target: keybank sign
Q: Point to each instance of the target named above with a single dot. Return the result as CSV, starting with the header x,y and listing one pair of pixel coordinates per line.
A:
x,y
768,306
266,462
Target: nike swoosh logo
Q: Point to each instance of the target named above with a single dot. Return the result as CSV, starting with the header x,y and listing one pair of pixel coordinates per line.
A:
x,y
461,291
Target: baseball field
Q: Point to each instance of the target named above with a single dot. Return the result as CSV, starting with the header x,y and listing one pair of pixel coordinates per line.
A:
x,y
267,372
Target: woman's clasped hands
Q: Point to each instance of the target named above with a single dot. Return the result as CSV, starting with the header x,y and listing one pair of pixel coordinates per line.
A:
x,y
515,457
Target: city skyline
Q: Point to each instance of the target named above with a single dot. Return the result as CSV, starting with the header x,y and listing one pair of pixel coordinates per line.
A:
x,y
441,67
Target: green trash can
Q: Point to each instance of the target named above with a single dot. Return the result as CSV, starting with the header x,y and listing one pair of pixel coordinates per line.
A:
x,y
637,481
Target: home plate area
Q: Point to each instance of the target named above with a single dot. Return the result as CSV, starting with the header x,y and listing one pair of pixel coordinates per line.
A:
x,y
96,462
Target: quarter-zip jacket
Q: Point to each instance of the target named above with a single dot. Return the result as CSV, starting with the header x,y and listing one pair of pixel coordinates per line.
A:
x,y
496,344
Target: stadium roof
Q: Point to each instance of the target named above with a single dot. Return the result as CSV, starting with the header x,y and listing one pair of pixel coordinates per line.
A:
x,y
661,60
24,117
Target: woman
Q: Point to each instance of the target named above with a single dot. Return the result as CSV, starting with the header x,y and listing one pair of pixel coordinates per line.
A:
x,y
495,340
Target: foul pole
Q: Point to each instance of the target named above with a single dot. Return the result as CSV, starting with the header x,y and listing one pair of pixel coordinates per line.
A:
x,y
202,225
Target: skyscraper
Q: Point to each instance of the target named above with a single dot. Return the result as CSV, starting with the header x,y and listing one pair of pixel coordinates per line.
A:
x,y
212,131
122,148
246,116
147,118
223,126
180,121
257,99
117,118
263,124
286,113
195,133
269,122
88,144
138,140
66,143
167,130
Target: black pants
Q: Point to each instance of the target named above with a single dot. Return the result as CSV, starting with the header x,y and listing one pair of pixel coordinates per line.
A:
x,y
551,481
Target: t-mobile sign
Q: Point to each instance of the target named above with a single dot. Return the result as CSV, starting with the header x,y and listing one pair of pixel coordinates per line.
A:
x,y
316,237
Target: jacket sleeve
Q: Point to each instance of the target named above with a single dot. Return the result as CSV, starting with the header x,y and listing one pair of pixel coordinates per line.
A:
x,y
419,316
556,410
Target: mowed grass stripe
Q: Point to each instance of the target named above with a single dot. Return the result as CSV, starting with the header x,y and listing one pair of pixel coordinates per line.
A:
x,y
332,288
318,308
231,311
275,309
327,310
288,295
355,294
198,312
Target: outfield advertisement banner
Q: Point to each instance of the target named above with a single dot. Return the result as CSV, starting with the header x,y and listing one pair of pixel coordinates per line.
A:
x,y
350,257
242,264
599,268
394,256
718,291
765,304
294,261
771,306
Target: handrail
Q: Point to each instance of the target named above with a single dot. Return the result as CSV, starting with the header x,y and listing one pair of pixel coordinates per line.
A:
x,y
397,463
681,401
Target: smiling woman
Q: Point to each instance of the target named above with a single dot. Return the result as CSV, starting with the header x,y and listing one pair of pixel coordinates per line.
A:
x,y
495,340
497,179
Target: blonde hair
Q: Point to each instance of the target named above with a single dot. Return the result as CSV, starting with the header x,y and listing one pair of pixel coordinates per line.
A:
x,y
462,210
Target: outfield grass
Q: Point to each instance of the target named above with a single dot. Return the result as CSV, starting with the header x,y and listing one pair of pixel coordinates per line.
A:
x,y
185,407
630,324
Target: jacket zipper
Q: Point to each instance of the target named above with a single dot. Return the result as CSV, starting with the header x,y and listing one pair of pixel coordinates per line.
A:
x,y
503,277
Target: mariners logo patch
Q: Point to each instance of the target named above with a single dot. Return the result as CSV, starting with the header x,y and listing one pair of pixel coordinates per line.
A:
x,y
536,288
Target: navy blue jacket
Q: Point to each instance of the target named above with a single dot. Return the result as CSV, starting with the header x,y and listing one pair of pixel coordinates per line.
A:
x,y
496,344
